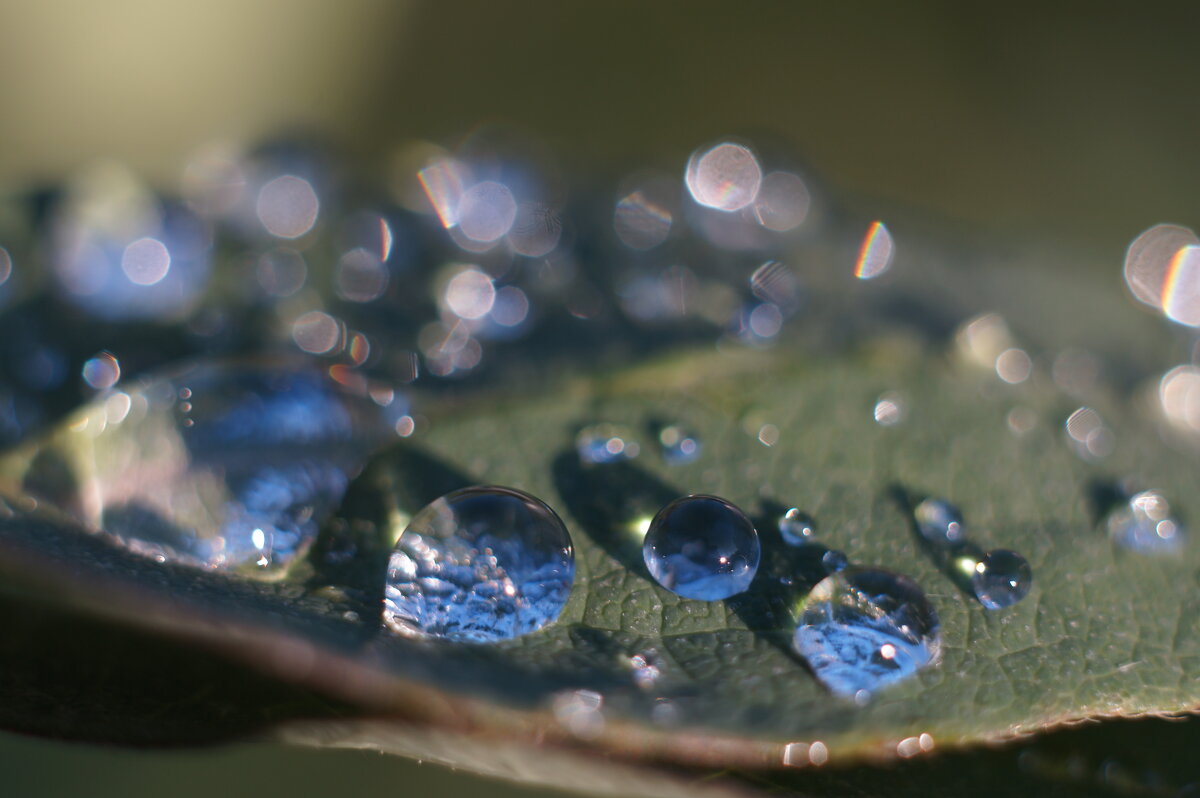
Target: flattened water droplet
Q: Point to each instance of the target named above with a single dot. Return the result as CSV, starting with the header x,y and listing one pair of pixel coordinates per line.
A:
x,y
1145,524
1001,578
218,466
796,527
863,629
679,446
702,547
938,521
606,443
479,565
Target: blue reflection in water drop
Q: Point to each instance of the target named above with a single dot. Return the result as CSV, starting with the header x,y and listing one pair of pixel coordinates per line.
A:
x,y
702,547
479,565
939,522
834,561
606,443
1001,578
862,629
1146,525
225,467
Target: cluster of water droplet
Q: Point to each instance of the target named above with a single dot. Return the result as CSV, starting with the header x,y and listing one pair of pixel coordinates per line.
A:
x,y
998,578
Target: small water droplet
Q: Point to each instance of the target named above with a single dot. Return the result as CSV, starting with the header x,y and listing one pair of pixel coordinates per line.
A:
x,y
1088,435
863,629
796,527
479,564
645,670
702,547
1001,578
939,521
1145,524
875,255
606,443
679,446
834,561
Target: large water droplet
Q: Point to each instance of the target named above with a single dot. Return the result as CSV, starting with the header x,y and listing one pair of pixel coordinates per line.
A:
x,y
1001,578
479,565
702,547
939,521
1145,524
862,629
218,466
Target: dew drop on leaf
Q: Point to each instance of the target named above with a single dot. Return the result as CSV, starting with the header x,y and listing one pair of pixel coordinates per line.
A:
x,y
702,547
479,565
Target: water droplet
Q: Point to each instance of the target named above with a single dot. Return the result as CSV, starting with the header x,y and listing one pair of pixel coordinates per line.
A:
x,y
679,446
606,443
479,565
102,371
796,527
1088,435
834,561
702,547
1145,524
862,629
939,521
645,670
218,467
1001,578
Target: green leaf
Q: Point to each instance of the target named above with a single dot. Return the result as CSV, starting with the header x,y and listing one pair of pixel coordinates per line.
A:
x,y
1103,634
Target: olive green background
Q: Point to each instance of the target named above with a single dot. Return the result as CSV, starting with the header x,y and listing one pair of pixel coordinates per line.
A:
x,y
1068,124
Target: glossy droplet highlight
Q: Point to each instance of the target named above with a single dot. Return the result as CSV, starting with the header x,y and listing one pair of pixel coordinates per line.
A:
x,y
218,466
479,565
1146,525
702,547
862,629
1001,578
938,521
796,527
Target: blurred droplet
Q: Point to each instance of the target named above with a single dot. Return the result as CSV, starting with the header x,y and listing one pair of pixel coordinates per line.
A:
x,y
535,230
102,371
606,443
1088,435
1013,366
360,276
875,255
1148,261
1181,289
643,216
726,177
1179,397
890,409
469,293
782,202
510,307
777,284
287,206
6,265
486,212
1146,525
679,446
281,272
444,182
146,261
317,333
983,339
1076,371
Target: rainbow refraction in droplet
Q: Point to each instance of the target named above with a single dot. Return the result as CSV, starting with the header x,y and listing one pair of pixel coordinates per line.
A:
x,y
875,255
